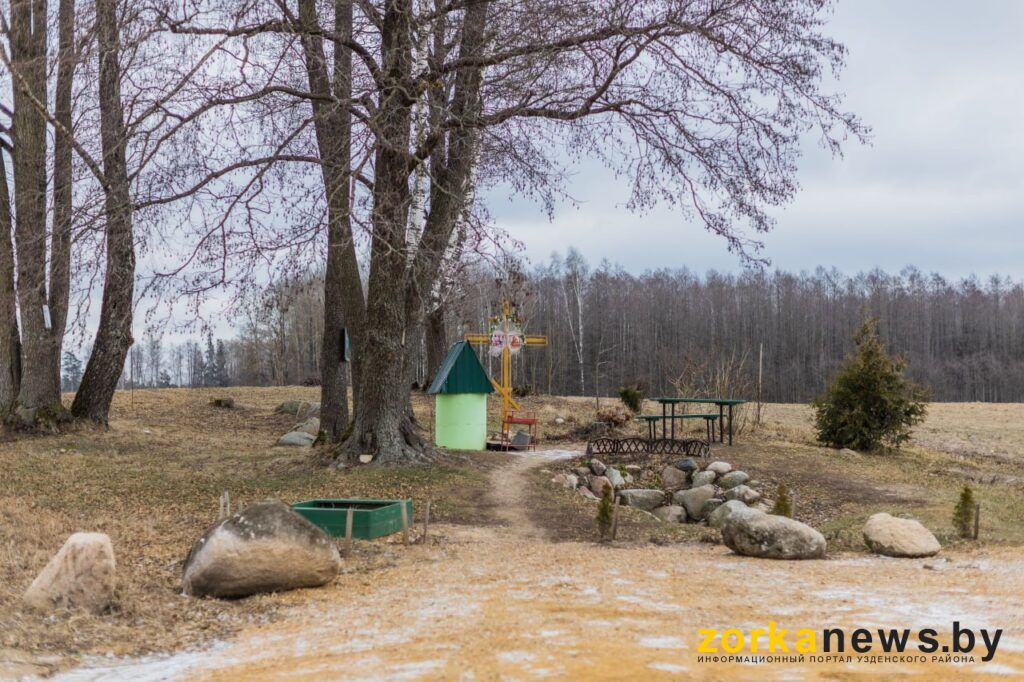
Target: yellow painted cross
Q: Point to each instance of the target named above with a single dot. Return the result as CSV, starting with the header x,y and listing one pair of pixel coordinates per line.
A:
x,y
506,338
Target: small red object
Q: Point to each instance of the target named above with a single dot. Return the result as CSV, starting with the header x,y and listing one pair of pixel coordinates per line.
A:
x,y
528,419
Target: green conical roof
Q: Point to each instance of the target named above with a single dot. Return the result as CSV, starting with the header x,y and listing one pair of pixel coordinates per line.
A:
x,y
461,372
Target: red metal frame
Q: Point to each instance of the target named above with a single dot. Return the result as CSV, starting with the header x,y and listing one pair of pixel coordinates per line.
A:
x,y
524,419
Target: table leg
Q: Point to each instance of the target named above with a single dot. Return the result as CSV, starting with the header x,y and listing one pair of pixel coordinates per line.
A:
x,y
730,425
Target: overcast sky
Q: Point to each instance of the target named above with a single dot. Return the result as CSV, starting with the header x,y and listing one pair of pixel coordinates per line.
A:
x,y
941,186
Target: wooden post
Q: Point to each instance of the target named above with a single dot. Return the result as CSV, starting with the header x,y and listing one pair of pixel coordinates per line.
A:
x,y
225,505
405,522
348,531
615,518
760,372
977,518
426,522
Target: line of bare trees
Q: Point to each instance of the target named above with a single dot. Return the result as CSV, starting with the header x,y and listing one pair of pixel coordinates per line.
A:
x,y
214,144
608,328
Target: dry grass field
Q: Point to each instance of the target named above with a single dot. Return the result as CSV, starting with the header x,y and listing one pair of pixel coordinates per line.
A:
x,y
152,482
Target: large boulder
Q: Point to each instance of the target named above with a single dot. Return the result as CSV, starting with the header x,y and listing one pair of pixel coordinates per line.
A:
x,y
733,479
266,547
693,499
742,493
674,479
643,498
753,533
719,467
700,478
671,513
81,575
892,536
597,466
721,514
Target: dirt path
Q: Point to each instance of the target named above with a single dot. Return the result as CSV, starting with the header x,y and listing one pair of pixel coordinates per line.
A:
x,y
504,602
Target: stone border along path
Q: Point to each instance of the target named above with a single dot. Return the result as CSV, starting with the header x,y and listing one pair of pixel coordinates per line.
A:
x,y
505,603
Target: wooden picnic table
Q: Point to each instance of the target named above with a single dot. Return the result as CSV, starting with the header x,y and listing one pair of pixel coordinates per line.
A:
x,y
723,404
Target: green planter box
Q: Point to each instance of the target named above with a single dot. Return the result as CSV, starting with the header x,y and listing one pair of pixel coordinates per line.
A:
x,y
370,518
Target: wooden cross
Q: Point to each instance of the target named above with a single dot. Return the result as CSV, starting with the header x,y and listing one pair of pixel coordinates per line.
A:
x,y
506,332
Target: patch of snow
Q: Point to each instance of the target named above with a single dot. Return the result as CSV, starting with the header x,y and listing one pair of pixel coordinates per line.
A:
x,y
663,642
674,668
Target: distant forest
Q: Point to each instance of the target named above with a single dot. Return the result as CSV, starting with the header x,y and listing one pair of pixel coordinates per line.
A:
x,y
665,330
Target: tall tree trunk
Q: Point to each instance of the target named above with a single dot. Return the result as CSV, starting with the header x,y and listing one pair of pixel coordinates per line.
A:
x,y
10,339
450,175
436,341
381,427
39,391
60,247
114,336
343,289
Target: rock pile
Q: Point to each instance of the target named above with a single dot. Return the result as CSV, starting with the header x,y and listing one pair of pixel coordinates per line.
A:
x,y
717,495
684,492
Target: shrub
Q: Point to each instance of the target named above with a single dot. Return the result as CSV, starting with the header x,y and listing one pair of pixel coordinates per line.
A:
x,y
614,416
604,514
869,403
783,504
963,513
632,397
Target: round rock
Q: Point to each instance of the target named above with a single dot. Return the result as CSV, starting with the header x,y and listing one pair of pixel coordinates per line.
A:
x,y
81,575
896,537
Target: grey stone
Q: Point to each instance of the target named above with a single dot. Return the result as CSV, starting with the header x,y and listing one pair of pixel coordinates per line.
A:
x,y
687,464
296,439
754,533
80,575
721,515
896,537
643,498
719,467
598,484
585,492
566,480
613,475
733,479
266,547
694,499
711,505
742,493
310,427
700,478
671,513
597,466
582,471
289,407
673,479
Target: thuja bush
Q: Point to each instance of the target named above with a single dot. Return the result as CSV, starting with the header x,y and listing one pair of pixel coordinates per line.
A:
x,y
869,405
963,513
783,504
632,397
604,514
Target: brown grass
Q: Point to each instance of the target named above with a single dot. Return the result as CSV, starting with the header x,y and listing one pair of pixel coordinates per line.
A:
x,y
152,483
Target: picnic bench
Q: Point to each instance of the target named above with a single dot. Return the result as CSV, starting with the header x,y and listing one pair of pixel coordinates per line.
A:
x,y
723,404
653,419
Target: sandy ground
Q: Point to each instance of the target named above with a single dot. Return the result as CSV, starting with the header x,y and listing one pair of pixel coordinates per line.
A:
x,y
504,603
